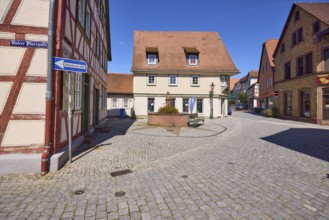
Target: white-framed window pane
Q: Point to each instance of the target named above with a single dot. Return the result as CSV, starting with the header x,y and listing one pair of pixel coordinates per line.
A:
x,y
151,80
192,59
81,12
125,103
195,80
77,91
199,105
185,105
150,104
88,21
114,103
152,59
172,80
172,102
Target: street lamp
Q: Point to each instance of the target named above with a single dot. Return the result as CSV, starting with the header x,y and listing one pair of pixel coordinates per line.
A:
x,y
211,95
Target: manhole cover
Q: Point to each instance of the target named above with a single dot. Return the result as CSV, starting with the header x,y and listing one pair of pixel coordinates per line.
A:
x,y
184,176
79,192
120,194
121,172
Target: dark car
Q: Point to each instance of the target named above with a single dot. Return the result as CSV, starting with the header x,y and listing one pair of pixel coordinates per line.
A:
x,y
229,111
239,106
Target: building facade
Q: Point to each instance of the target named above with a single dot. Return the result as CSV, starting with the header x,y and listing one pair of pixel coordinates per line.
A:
x,y
302,64
266,72
185,64
29,122
120,94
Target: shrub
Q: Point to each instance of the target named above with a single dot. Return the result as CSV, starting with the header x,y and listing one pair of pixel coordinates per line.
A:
x,y
271,112
168,110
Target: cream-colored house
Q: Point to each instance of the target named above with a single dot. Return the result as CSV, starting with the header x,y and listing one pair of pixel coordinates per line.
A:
x,y
185,64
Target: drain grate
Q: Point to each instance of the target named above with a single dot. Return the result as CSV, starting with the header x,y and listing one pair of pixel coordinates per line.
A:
x,y
184,176
120,173
120,194
79,192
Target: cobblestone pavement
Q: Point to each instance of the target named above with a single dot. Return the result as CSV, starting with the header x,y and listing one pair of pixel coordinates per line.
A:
x,y
241,167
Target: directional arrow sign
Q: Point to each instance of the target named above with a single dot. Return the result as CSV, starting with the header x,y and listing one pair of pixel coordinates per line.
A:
x,y
69,65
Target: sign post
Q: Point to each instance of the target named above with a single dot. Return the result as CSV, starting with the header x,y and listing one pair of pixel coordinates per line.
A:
x,y
71,66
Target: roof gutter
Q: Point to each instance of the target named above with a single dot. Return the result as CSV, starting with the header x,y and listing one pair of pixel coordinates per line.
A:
x,y
49,94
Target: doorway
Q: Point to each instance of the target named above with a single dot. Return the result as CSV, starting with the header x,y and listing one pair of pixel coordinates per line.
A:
x,y
86,104
325,101
96,106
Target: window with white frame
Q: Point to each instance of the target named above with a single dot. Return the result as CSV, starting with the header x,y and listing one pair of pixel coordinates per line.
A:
x,y
195,80
199,105
81,12
224,81
88,21
76,87
125,103
193,59
151,80
114,103
77,91
185,105
152,58
172,80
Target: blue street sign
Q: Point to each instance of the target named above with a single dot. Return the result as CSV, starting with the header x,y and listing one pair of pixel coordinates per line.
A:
x,y
69,65
192,103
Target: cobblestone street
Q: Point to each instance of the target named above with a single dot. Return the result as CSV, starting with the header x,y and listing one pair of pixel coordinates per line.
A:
x,y
241,167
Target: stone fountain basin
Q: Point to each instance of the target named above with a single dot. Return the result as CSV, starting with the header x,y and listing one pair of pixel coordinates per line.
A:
x,y
168,120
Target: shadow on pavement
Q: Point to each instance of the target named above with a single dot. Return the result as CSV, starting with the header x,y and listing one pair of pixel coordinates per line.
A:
x,y
313,142
115,127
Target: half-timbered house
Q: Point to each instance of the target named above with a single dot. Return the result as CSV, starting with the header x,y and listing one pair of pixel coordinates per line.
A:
x,y
34,97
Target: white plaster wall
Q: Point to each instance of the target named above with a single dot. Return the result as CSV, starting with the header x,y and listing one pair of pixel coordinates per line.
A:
x,y
7,35
116,111
76,124
4,92
36,37
63,130
183,85
31,99
28,131
179,104
4,5
38,65
11,58
32,13
140,105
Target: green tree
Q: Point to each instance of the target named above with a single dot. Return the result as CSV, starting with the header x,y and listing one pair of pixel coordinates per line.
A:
x,y
243,97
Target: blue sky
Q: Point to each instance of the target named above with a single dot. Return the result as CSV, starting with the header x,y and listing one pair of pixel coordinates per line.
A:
x,y
242,24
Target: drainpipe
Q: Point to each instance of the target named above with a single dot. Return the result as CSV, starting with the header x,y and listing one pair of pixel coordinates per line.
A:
x,y
49,95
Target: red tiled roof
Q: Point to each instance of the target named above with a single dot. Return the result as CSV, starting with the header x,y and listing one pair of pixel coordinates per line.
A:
x,y
232,82
172,46
270,46
253,73
318,10
120,83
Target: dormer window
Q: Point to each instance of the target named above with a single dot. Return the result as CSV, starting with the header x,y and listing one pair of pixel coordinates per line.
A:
x,y
192,56
193,59
152,58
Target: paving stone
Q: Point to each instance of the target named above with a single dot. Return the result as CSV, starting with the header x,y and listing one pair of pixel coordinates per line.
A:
x,y
259,168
